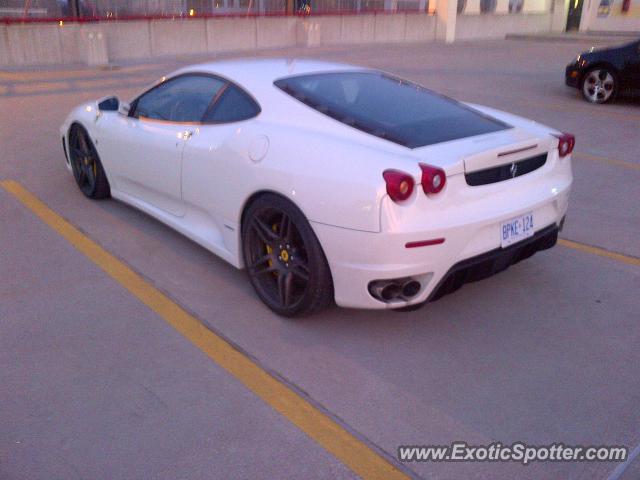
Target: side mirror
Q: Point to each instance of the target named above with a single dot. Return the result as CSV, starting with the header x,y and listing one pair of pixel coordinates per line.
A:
x,y
109,104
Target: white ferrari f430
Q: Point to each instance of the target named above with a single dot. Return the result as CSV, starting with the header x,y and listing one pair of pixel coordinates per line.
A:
x,y
328,181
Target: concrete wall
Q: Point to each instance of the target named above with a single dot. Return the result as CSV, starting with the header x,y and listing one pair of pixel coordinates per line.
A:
x,y
357,29
321,31
103,42
96,43
226,36
354,29
389,28
486,26
274,32
34,43
419,28
169,37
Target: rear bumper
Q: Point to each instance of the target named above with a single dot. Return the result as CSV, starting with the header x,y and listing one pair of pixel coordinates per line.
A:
x,y
468,221
440,269
488,264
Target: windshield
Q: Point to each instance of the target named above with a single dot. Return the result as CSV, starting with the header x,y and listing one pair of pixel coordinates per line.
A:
x,y
388,107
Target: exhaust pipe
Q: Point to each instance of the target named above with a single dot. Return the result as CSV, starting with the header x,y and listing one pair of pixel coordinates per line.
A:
x,y
410,289
390,290
385,290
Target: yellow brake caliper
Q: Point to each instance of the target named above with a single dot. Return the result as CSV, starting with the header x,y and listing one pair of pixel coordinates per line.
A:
x,y
274,227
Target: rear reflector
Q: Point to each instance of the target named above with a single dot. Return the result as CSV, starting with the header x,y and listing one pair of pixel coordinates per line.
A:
x,y
425,243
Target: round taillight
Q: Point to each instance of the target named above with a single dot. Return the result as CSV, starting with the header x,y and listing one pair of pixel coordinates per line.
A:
x,y
433,178
563,148
399,184
566,142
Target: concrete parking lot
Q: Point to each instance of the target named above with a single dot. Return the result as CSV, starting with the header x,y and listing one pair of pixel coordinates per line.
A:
x,y
103,375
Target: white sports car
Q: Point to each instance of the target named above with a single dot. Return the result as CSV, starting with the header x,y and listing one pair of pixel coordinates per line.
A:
x,y
328,181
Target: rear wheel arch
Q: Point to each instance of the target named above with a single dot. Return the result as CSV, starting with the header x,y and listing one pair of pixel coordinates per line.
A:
x,y
305,244
261,193
250,200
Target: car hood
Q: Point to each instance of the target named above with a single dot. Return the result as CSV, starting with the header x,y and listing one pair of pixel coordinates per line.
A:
x,y
596,53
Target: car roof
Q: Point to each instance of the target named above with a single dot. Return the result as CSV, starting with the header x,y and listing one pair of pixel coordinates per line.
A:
x,y
267,69
256,75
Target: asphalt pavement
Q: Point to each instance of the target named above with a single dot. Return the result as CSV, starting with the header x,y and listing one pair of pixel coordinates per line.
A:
x,y
94,383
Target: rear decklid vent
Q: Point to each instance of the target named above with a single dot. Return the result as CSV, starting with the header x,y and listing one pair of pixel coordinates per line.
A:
x,y
505,171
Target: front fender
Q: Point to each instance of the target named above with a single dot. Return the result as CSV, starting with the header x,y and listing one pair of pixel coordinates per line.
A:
x,y
86,114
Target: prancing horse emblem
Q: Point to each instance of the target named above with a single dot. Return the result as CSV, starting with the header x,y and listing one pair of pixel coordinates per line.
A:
x,y
513,170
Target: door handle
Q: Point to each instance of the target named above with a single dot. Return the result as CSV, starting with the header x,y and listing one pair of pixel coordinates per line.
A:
x,y
183,137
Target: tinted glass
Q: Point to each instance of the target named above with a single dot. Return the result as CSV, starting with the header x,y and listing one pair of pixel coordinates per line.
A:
x,y
387,107
181,99
233,105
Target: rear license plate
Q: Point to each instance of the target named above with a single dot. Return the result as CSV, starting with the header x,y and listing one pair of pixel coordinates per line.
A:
x,y
516,229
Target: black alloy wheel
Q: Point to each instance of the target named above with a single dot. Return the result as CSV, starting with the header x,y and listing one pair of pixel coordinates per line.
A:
x,y
284,260
86,165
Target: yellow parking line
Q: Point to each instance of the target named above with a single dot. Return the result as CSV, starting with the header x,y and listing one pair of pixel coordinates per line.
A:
x,y
611,161
600,252
353,452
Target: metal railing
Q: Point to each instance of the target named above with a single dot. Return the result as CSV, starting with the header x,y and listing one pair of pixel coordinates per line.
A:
x,y
94,10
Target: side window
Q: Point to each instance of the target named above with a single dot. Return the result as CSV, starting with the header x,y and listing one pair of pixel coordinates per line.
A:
x,y
181,99
234,105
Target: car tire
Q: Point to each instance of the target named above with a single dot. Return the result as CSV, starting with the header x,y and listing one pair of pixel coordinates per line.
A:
x,y
599,85
86,165
284,259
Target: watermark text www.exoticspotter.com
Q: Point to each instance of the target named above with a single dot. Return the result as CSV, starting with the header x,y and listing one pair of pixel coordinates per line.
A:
x,y
516,452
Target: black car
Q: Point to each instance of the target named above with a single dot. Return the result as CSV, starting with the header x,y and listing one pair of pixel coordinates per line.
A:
x,y
602,74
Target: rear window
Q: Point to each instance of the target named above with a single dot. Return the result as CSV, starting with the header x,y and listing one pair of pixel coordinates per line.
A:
x,y
388,107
